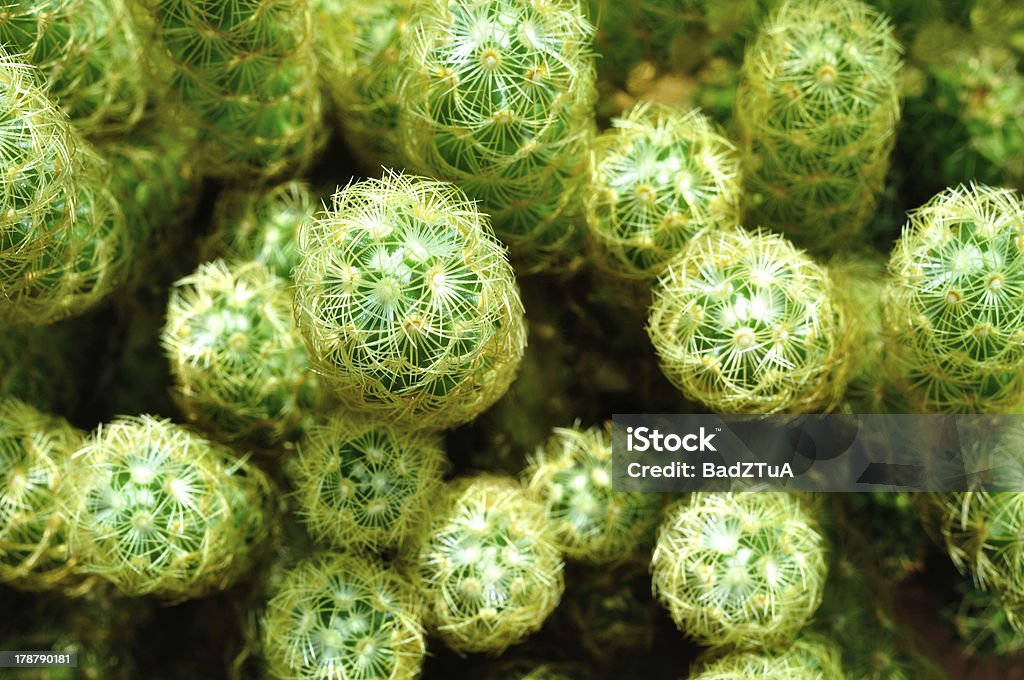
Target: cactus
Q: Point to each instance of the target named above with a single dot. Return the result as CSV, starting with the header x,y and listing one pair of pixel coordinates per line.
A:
x,y
360,46
339,616
489,565
37,367
571,476
245,74
89,55
261,226
953,311
239,364
367,486
34,448
154,508
657,179
746,323
810,658
817,105
408,306
498,97
740,569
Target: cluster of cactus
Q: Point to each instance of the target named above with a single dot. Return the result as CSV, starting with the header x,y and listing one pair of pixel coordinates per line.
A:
x,y
340,346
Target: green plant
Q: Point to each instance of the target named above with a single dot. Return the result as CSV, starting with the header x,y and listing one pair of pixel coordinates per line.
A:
x,y
658,178
498,96
407,303
740,569
747,323
953,310
261,225
244,72
488,564
34,448
342,616
817,106
89,56
810,658
156,509
238,361
367,486
571,476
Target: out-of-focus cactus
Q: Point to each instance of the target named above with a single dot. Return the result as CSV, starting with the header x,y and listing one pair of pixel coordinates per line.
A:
x,y
239,364
740,569
953,308
89,55
810,658
38,366
262,226
818,105
658,178
245,74
34,449
365,486
407,303
341,616
982,623
498,97
359,43
746,323
154,508
571,476
489,565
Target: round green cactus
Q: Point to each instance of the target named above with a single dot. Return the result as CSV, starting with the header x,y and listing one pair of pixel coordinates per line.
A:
x,y
498,96
261,225
89,56
34,449
810,658
245,74
953,309
817,105
407,303
367,486
658,178
341,616
740,569
746,323
360,46
571,476
489,565
239,364
154,508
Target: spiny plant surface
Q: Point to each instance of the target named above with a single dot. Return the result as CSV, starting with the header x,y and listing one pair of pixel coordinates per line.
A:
x,y
489,565
407,302
367,486
745,322
498,96
346,617
658,177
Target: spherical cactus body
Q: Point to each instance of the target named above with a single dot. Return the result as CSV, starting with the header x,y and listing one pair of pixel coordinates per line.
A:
x,y
498,97
658,178
340,616
489,565
746,323
740,569
953,310
407,303
817,105
367,486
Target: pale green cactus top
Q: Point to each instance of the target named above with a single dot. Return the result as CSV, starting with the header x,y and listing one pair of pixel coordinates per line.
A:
x,y
953,308
658,177
740,569
747,323
407,303
343,616
238,361
810,658
489,565
498,96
